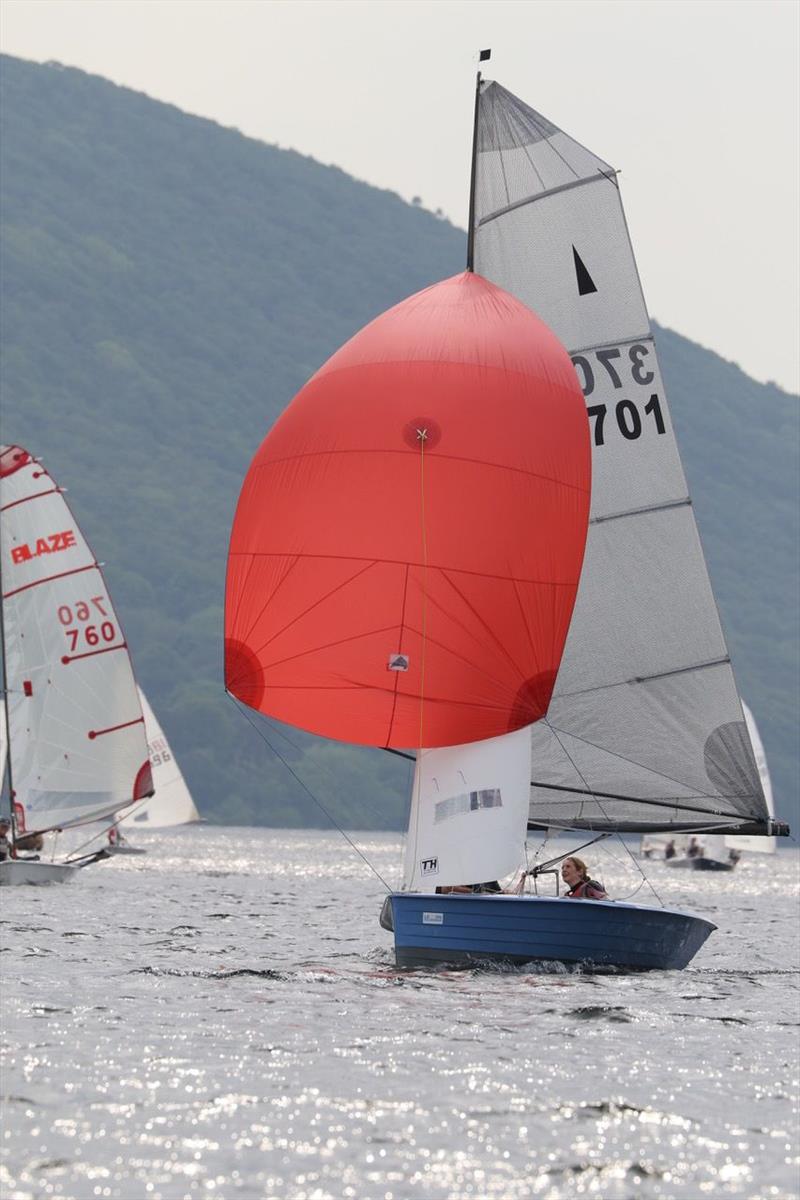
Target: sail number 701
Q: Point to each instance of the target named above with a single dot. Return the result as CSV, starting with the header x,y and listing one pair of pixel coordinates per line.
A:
x,y
628,417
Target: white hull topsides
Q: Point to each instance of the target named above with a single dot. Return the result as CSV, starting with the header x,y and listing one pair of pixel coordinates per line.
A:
x,y
15,871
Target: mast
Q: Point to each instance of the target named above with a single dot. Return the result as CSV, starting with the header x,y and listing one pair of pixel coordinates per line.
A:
x,y
483,56
5,704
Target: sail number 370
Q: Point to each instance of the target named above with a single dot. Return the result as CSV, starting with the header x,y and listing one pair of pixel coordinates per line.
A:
x,y
630,419
79,615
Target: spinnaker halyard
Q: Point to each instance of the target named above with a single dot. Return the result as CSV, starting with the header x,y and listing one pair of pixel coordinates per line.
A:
x,y
76,743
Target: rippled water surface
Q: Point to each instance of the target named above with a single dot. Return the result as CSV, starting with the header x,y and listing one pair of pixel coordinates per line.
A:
x,y
222,1018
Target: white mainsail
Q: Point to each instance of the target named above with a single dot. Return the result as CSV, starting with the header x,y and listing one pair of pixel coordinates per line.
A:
x,y
77,747
469,813
645,729
172,803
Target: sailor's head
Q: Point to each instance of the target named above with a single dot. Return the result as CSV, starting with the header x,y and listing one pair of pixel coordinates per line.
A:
x,y
5,824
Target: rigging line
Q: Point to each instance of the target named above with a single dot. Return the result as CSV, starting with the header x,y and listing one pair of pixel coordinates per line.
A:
x,y
417,808
642,766
113,825
664,802
550,862
602,810
308,791
276,729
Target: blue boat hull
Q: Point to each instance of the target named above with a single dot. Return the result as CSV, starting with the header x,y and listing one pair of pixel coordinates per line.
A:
x,y
465,929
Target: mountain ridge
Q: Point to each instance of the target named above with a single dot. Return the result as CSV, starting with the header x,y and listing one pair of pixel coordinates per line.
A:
x,y
168,285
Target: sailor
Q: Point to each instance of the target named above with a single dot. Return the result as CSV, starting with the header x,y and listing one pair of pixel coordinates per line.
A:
x,y
5,844
694,849
669,849
30,841
575,874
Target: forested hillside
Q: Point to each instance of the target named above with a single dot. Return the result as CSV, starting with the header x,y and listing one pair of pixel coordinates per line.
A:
x,y
167,286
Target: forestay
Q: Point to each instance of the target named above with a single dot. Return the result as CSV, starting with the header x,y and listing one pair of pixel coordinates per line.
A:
x,y
172,803
645,729
77,743
469,813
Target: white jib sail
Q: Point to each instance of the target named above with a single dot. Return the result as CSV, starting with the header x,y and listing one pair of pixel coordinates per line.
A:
x,y
172,803
77,743
469,813
762,845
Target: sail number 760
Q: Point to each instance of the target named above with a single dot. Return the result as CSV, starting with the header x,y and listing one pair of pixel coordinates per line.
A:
x,y
79,614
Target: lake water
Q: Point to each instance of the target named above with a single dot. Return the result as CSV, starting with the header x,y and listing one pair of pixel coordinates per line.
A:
x,y
222,1018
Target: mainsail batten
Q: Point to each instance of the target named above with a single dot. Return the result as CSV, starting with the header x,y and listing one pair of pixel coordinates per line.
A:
x,y
645,704
77,749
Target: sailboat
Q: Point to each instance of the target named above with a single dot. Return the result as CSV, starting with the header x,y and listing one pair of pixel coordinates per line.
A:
x,y
171,803
718,852
413,563
74,727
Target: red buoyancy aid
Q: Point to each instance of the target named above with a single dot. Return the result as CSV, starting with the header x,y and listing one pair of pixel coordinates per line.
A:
x,y
587,889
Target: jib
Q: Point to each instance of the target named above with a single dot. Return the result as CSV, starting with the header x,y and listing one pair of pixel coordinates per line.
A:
x,y
44,545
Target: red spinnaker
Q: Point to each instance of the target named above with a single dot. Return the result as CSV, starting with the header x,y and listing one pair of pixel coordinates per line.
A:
x,y
407,546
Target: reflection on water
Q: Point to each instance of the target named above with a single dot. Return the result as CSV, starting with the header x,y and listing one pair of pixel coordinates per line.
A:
x,y
223,1017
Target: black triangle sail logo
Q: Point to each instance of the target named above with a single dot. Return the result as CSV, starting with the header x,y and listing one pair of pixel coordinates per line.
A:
x,y
585,282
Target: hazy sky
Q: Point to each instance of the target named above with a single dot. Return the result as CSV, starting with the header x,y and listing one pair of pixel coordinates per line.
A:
x,y
696,101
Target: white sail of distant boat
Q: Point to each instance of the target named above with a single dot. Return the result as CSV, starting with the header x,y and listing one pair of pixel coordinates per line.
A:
x,y
761,845
172,803
76,742
715,847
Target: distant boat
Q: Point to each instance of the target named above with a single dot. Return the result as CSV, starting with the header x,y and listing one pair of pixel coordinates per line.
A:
x,y
715,852
757,845
75,731
170,805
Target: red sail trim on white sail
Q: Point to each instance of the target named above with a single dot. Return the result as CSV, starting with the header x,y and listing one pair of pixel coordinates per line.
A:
x,y
64,690
27,499
48,579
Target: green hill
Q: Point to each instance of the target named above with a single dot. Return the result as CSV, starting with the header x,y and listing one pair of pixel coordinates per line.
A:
x,y
167,286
